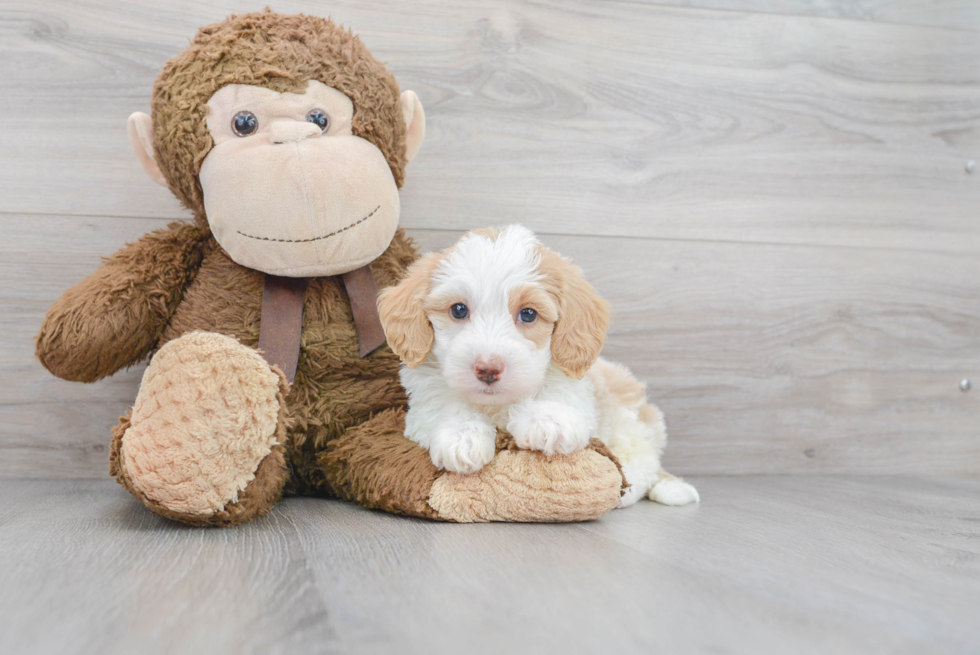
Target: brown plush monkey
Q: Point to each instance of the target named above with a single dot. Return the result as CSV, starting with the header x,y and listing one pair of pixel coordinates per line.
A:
x,y
288,141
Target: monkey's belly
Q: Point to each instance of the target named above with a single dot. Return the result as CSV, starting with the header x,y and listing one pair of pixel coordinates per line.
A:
x,y
334,388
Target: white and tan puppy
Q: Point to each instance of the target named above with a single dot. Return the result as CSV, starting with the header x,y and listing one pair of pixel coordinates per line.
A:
x,y
498,332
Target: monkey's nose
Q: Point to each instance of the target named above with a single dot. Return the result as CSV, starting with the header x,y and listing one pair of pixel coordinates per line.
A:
x,y
292,131
488,371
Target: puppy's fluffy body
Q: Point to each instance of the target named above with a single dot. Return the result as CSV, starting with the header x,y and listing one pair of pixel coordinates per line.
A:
x,y
498,332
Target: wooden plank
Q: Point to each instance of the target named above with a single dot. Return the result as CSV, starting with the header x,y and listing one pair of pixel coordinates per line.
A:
x,y
87,569
54,428
625,119
851,561
763,564
950,14
765,358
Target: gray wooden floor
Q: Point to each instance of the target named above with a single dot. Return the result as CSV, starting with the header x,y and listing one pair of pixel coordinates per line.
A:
x,y
764,565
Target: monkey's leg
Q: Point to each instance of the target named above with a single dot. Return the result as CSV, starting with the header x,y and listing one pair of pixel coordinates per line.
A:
x,y
374,465
203,443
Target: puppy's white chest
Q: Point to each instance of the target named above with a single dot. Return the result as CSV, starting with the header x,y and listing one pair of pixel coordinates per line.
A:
x,y
497,416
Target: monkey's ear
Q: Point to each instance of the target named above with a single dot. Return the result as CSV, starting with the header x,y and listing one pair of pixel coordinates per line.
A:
x,y
414,124
140,130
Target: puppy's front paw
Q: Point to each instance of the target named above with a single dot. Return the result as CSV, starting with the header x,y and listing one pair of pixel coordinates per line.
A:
x,y
463,447
550,427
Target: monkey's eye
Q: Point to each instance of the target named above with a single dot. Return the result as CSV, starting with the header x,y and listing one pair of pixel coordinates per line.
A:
x,y
319,117
459,311
527,315
244,123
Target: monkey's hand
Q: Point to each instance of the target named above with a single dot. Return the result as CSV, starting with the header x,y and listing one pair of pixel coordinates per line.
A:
x,y
114,317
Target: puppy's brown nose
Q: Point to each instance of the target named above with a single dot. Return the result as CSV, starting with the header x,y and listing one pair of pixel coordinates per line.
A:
x,y
488,371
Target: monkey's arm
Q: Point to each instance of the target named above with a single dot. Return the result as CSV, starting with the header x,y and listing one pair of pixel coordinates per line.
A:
x,y
374,465
114,317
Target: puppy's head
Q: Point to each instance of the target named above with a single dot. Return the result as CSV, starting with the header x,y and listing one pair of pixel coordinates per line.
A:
x,y
493,312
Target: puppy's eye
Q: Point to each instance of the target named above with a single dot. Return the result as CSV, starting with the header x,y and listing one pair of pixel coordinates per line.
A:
x,y
459,311
319,117
244,123
527,315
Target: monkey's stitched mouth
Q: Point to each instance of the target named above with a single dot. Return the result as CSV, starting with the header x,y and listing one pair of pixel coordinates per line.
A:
x,y
322,236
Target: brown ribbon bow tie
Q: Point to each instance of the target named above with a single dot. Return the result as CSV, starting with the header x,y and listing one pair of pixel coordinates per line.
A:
x,y
282,316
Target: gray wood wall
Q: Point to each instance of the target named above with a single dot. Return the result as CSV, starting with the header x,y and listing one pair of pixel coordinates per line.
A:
x,y
772,193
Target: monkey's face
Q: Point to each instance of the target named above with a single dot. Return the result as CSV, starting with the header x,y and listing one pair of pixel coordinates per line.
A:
x,y
288,189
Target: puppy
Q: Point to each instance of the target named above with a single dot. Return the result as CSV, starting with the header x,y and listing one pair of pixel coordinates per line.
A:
x,y
498,332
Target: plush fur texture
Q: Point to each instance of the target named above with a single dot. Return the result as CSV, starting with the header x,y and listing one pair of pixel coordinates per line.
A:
x,y
498,300
115,317
277,197
217,435
334,388
207,414
279,52
515,487
331,205
343,417
261,494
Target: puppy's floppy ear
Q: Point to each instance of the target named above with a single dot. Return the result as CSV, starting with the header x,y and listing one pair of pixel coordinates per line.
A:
x,y
583,316
406,326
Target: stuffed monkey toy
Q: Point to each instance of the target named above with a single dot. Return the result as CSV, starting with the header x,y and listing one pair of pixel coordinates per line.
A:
x,y
269,374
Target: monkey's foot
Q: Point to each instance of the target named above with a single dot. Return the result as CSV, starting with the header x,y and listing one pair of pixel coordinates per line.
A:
x,y
528,486
203,443
374,465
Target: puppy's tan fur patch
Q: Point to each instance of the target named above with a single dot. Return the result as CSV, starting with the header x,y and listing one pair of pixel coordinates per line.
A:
x,y
624,389
403,315
583,315
534,297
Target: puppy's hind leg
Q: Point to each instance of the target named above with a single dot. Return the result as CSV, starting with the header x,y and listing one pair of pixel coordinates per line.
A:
x,y
635,432
642,463
637,439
